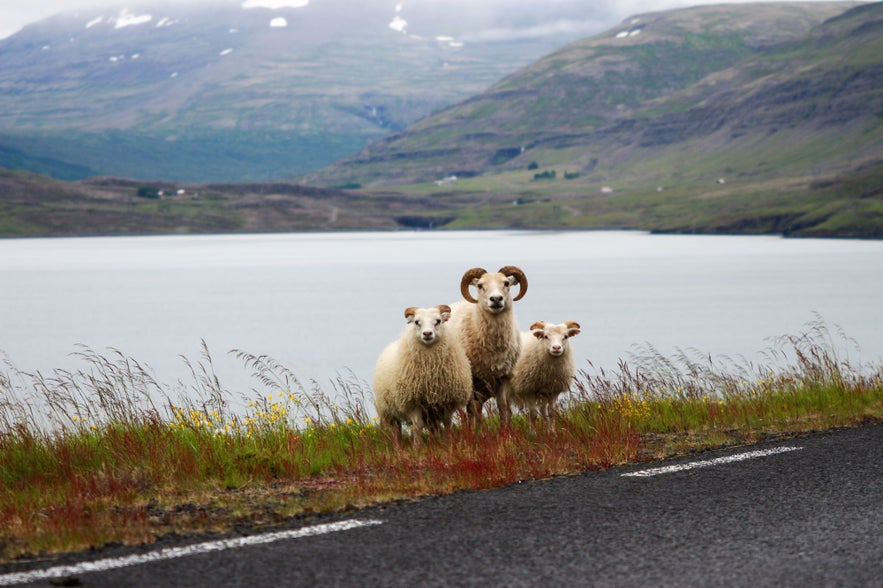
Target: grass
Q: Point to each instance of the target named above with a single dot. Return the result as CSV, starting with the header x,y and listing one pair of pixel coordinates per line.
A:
x,y
108,455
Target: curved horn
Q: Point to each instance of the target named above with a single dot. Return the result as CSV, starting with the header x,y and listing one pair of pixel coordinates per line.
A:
x,y
511,270
538,325
572,325
468,277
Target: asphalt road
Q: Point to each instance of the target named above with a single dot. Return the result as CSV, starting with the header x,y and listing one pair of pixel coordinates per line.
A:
x,y
810,515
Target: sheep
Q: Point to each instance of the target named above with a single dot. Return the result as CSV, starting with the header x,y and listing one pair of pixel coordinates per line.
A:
x,y
423,377
488,330
545,368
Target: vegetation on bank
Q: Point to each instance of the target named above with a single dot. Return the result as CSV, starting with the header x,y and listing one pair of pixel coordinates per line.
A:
x,y
107,454
543,197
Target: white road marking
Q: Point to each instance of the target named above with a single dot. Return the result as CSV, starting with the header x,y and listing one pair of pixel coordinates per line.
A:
x,y
175,552
711,462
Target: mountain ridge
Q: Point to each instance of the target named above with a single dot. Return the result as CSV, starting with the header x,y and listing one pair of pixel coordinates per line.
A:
x,y
599,87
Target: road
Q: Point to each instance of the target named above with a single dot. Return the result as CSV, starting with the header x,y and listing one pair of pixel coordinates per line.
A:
x,y
804,512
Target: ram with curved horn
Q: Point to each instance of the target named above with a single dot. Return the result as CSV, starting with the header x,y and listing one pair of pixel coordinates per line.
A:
x,y
486,325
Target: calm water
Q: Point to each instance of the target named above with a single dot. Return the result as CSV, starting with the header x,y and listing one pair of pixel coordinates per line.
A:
x,y
324,304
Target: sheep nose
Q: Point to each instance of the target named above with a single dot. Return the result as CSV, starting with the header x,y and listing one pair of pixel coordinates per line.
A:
x,y
556,348
427,334
496,298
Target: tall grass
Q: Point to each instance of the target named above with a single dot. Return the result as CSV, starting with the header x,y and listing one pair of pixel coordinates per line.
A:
x,y
108,454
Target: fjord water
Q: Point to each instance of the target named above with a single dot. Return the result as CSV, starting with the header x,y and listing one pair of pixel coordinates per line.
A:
x,y
325,304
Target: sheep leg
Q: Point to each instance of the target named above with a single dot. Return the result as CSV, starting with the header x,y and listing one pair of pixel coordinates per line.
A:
x,y
393,425
503,404
418,422
534,414
481,393
473,410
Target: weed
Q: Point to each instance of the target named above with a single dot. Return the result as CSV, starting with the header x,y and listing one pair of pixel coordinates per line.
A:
x,y
107,454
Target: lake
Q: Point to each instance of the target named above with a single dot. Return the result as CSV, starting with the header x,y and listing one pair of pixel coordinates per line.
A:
x,y
326,304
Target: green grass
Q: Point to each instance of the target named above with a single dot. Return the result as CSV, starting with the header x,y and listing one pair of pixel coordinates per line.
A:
x,y
106,454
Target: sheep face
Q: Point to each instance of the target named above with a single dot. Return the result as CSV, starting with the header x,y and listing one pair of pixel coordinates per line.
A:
x,y
493,288
428,323
555,335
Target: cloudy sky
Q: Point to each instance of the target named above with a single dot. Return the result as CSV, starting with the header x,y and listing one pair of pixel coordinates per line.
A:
x,y
495,15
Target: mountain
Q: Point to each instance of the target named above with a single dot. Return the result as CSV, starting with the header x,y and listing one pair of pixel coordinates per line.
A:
x,y
193,92
730,118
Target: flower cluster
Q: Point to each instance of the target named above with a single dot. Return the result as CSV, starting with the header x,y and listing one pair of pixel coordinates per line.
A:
x,y
631,406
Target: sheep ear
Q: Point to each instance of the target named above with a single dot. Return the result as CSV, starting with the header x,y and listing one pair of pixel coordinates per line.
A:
x,y
572,332
572,328
445,311
538,333
410,312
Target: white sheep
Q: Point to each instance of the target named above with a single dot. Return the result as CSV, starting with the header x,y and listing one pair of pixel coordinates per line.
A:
x,y
423,377
544,369
488,330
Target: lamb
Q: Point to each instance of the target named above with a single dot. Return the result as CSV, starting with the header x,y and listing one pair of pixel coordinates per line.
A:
x,y
488,331
544,369
423,377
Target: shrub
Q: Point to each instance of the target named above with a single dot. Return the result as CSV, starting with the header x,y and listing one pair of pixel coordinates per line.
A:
x,y
148,192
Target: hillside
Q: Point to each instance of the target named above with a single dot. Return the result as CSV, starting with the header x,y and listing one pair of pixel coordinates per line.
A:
x,y
33,205
220,92
730,118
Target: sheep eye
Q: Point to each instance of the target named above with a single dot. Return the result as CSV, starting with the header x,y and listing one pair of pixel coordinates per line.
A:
x,y
418,323
480,287
437,321
506,283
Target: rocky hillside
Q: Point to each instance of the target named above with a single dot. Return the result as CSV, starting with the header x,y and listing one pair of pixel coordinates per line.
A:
x,y
663,95
218,91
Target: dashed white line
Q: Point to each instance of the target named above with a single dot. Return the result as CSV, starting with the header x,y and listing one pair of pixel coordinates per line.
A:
x,y
711,462
176,552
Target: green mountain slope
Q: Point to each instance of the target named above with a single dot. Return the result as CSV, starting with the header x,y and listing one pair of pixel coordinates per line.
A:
x,y
732,118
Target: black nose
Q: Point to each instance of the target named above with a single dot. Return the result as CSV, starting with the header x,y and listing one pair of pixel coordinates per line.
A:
x,y
496,298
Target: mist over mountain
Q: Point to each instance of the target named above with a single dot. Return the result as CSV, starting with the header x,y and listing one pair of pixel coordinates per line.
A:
x,y
222,92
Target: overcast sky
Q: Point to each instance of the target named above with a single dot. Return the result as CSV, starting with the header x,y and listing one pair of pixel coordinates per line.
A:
x,y
14,14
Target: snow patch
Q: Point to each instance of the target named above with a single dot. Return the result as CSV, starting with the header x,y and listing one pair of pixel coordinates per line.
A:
x,y
398,24
127,19
455,44
94,21
225,52
174,74
444,39
166,22
274,4
629,33
45,47
278,23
